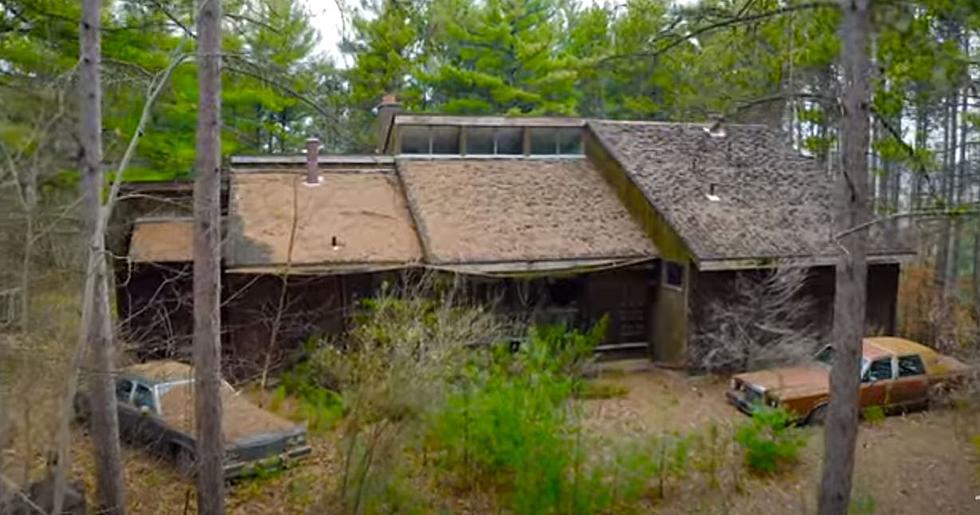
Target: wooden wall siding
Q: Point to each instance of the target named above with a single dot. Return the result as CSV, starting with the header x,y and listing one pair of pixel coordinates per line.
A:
x,y
154,304
669,307
315,306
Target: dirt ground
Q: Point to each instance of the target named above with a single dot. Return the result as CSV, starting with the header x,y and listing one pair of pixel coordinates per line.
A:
x,y
917,463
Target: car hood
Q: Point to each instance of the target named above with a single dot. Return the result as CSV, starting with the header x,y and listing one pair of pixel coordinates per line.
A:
x,y
790,381
242,423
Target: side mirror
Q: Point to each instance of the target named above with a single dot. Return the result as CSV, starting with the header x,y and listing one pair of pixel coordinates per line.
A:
x,y
145,410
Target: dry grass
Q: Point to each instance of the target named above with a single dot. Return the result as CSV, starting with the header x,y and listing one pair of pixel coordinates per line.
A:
x,y
919,463
32,371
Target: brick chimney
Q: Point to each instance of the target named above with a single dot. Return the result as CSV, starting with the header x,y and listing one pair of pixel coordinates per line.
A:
x,y
313,160
387,109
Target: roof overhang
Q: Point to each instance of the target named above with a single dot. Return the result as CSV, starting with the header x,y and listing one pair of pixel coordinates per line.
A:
x,y
493,269
488,121
319,269
325,159
542,267
162,240
712,265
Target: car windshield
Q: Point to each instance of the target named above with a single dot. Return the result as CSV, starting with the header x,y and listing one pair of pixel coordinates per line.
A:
x,y
825,356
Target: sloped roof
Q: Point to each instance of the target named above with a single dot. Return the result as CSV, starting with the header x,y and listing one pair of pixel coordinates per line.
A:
x,y
350,217
771,201
161,241
497,210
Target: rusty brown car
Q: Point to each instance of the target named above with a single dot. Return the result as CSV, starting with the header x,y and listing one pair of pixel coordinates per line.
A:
x,y
896,374
156,409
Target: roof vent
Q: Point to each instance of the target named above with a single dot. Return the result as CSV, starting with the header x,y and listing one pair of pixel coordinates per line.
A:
x,y
716,130
312,161
711,193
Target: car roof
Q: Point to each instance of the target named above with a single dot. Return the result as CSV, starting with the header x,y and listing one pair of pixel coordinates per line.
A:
x,y
160,371
880,346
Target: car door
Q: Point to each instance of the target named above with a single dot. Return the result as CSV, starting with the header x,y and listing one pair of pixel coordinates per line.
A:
x,y
876,381
128,415
912,384
144,402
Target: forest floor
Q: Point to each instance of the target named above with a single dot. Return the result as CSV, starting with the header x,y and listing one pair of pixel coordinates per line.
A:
x,y
917,463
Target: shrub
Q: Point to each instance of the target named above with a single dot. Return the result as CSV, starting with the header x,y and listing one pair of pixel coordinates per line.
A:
x,y
509,424
711,453
319,406
769,441
873,414
764,320
392,372
861,504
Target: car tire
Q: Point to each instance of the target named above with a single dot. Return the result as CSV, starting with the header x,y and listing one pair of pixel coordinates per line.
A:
x,y
939,396
80,409
818,416
184,460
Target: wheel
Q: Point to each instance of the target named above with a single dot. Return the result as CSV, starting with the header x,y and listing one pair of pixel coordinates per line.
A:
x,y
80,408
939,396
183,460
818,416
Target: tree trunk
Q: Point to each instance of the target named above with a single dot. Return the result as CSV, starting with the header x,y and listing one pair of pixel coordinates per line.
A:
x,y
207,272
976,276
921,144
851,210
96,323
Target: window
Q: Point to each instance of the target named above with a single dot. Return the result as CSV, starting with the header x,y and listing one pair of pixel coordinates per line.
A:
x,y
879,370
124,388
143,396
570,141
479,141
544,140
445,140
910,366
510,140
414,140
673,274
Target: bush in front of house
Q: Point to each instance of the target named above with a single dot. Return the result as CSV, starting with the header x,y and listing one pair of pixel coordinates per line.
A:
x,y
769,441
392,372
509,424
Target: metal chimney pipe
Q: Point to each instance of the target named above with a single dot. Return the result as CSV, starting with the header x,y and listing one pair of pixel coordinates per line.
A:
x,y
313,160
387,110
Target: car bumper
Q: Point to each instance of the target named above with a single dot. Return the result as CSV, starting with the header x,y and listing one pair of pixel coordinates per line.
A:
x,y
737,399
238,469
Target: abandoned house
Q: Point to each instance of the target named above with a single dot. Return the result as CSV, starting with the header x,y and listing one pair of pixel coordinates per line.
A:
x,y
553,218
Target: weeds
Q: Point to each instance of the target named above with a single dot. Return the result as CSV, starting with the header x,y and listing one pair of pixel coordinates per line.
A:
x,y
318,405
403,349
596,389
769,441
874,415
509,424
862,504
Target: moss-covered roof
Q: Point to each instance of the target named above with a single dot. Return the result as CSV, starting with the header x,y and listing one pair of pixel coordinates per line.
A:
x,y
737,194
498,210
